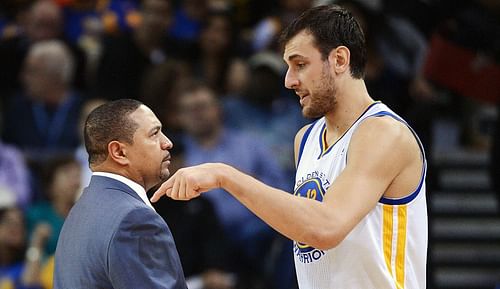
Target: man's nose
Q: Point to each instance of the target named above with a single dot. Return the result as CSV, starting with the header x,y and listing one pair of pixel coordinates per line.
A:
x,y
166,143
291,80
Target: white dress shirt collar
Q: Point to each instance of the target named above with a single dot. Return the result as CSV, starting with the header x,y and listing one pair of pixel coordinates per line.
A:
x,y
138,189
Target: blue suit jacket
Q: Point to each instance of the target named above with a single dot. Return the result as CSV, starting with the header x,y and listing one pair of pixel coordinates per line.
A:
x,y
112,239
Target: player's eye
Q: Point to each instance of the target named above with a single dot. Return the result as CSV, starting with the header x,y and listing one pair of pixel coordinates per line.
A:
x,y
300,65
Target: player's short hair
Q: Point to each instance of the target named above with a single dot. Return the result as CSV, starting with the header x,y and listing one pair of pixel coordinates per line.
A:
x,y
331,26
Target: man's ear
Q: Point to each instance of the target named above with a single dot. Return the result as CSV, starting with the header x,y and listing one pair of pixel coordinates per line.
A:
x,y
117,151
339,59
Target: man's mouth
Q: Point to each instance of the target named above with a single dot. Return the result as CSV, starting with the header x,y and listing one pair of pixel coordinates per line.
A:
x,y
303,97
301,93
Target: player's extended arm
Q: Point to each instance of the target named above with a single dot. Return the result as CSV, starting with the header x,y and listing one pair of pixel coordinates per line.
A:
x,y
374,160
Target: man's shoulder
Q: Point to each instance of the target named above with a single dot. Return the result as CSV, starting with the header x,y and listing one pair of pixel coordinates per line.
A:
x,y
108,196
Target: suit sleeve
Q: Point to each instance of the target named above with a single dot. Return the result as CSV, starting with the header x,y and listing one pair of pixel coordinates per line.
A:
x,y
142,254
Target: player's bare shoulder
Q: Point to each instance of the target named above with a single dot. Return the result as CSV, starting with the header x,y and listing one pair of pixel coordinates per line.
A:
x,y
387,131
392,144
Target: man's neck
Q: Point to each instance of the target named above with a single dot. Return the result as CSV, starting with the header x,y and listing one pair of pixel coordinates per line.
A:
x,y
55,96
352,100
106,167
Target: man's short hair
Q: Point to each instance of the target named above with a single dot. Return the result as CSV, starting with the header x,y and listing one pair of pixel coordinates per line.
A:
x,y
331,26
109,122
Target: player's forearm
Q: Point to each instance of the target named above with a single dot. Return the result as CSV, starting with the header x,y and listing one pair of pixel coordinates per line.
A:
x,y
300,219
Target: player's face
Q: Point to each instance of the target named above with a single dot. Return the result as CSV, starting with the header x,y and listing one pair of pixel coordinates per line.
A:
x,y
309,75
148,155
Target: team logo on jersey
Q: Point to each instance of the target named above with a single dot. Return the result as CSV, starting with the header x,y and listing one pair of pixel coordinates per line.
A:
x,y
311,189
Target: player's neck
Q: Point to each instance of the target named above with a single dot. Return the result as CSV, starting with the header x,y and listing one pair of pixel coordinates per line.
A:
x,y
352,100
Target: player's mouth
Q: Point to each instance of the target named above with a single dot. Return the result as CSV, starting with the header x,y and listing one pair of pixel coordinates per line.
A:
x,y
303,98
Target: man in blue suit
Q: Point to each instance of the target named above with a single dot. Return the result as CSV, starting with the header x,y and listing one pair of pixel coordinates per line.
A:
x,y
113,238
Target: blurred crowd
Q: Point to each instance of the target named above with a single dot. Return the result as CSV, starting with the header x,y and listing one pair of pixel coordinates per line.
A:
x,y
212,71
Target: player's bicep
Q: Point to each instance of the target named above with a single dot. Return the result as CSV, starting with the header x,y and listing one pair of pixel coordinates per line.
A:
x,y
377,152
372,165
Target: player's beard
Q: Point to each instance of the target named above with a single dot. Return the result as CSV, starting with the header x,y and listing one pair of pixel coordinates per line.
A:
x,y
322,96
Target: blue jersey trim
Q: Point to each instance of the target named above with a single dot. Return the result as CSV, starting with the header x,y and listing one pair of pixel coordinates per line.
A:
x,y
414,194
303,142
410,197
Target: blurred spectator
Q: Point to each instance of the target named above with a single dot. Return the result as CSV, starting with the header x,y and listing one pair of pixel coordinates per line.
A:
x,y
114,16
86,22
12,246
14,175
43,21
188,20
43,118
216,56
11,17
47,273
61,184
200,242
35,260
266,31
127,58
207,140
267,111
20,265
90,41
159,91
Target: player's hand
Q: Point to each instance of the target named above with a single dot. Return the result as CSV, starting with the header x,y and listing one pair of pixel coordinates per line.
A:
x,y
189,183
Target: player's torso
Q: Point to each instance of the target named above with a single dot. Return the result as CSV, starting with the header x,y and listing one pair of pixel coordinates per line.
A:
x,y
369,256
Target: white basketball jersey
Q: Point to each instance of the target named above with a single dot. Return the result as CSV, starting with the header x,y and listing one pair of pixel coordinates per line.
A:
x,y
387,249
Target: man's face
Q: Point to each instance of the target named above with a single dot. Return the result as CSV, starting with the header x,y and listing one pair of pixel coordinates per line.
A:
x,y
148,155
35,77
156,16
199,113
44,21
66,183
216,36
12,234
309,76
